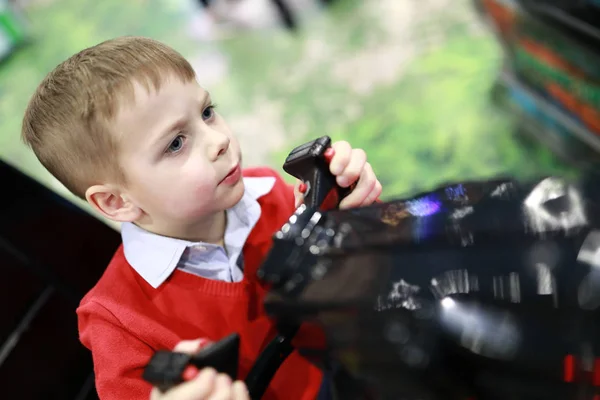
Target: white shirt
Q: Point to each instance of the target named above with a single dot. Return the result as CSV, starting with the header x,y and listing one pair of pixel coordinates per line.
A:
x,y
155,257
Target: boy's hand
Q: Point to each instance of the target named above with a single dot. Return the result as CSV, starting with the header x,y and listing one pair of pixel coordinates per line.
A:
x,y
349,166
207,385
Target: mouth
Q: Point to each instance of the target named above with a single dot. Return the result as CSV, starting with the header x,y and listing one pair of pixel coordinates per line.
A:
x,y
232,173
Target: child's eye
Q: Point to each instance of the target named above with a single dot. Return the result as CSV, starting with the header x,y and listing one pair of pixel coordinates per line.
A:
x,y
176,145
208,112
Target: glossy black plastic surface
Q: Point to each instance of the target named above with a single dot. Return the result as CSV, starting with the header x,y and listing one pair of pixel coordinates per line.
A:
x,y
482,289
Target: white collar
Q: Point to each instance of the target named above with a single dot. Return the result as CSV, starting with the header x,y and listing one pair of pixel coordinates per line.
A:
x,y
155,257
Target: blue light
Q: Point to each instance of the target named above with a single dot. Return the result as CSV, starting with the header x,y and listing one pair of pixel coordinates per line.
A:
x,y
423,207
454,192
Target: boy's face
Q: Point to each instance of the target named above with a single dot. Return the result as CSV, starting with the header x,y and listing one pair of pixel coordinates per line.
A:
x,y
180,159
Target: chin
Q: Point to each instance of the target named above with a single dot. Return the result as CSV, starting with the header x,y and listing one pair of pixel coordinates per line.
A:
x,y
234,195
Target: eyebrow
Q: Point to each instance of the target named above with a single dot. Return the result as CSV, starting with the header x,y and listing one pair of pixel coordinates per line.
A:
x,y
179,123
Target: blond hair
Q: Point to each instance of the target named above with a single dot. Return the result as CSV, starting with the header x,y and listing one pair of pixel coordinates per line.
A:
x,y
67,121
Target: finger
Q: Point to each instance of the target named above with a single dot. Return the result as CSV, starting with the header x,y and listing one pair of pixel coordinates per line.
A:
x,y
190,372
329,153
197,389
366,184
224,394
341,158
298,193
354,168
223,389
223,381
374,195
190,346
240,392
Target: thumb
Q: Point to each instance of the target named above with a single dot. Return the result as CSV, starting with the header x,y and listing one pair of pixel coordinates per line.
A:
x,y
191,346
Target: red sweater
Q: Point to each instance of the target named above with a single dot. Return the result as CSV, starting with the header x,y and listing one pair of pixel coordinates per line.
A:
x,y
123,320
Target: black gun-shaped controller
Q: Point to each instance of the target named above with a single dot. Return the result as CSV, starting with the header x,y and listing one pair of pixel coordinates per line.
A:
x,y
308,164
166,369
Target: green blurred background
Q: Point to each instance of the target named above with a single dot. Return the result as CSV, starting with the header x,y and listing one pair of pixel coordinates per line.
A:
x,y
407,80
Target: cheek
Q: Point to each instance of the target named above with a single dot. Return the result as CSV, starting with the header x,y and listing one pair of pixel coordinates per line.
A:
x,y
193,193
186,194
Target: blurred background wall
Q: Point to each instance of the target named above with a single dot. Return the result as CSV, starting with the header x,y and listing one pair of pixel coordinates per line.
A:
x,y
408,80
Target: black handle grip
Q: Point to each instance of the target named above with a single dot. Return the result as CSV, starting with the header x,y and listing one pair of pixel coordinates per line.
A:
x,y
307,163
267,364
166,368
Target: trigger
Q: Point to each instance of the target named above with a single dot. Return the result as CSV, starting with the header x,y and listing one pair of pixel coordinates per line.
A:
x,y
304,188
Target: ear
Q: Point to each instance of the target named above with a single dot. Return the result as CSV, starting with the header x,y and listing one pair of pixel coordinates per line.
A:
x,y
112,203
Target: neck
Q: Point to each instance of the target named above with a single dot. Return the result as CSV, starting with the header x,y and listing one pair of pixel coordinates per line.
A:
x,y
209,230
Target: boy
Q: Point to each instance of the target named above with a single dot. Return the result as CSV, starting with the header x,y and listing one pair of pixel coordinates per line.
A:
x,y
125,125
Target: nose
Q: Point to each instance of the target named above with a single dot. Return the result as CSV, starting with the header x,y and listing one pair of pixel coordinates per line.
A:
x,y
218,145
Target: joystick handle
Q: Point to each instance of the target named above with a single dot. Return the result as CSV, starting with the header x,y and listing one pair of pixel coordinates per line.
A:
x,y
307,163
166,368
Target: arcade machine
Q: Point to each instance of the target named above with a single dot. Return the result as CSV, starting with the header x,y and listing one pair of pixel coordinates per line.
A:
x,y
483,290
51,254
550,78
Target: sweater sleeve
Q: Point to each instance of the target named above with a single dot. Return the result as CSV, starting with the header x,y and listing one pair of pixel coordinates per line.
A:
x,y
119,357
